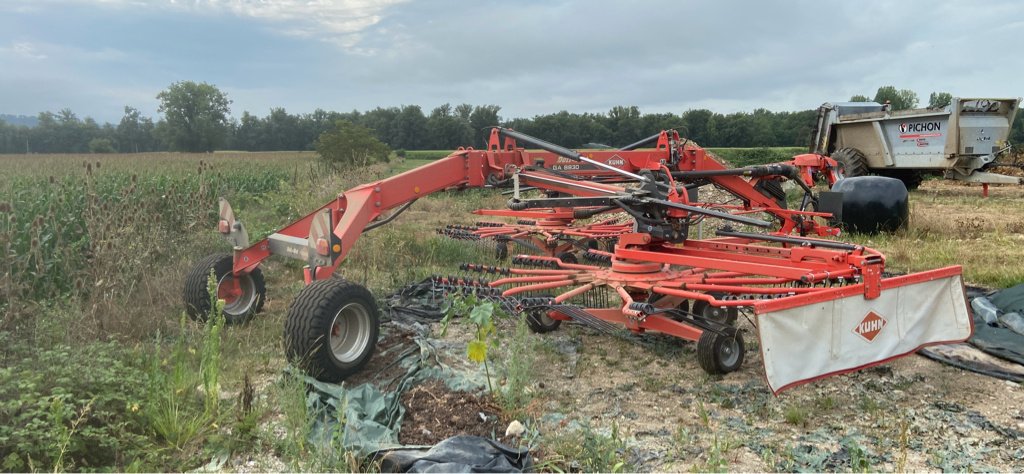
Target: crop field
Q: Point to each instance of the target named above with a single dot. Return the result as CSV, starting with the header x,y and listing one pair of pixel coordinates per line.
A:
x,y
100,369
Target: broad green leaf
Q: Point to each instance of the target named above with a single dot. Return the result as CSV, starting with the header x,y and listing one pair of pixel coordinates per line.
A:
x,y
481,314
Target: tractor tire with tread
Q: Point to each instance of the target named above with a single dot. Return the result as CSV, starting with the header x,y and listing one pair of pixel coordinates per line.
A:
x,y
337,311
197,296
852,162
719,354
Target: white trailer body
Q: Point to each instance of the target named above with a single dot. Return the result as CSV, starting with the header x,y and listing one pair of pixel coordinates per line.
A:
x,y
959,141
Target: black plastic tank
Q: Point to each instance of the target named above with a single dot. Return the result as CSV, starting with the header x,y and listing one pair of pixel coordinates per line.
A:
x,y
873,204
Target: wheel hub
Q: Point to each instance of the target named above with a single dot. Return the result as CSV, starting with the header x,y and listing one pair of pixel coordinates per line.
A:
x,y
238,293
350,332
729,351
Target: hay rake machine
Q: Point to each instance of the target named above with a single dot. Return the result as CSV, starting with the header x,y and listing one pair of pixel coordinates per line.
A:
x,y
819,306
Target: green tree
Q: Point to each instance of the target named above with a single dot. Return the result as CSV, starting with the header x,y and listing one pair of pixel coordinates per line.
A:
x,y
938,100
447,129
135,132
901,99
410,129
483,116
695,122
349,145
625,125
195,116
281,131
248,133
860,98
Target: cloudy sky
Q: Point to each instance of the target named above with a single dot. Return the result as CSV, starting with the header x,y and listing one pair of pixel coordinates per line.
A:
x,y
528,56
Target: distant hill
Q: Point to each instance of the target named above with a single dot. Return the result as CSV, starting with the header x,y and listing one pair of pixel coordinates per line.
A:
x,y
19,120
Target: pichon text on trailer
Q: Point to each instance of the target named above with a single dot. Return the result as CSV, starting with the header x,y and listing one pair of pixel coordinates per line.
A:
x,y
920,127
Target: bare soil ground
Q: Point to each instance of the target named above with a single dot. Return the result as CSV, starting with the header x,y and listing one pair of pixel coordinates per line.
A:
x,y
434,413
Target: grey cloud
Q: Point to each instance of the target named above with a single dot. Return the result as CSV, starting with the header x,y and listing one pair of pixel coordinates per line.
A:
x,y
534,57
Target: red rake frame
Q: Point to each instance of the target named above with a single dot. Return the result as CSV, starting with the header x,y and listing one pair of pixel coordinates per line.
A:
x,y
808,295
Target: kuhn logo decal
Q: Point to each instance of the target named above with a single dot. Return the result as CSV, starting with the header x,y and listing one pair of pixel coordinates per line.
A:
x,y
616,160
870,326
920,127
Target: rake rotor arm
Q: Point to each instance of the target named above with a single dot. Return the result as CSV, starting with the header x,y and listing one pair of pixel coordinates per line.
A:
x,y
565,152
325,237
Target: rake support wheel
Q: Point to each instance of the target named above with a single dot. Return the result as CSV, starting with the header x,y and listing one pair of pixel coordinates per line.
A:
x,y
719,314
720,353
332,329
538,321
243,295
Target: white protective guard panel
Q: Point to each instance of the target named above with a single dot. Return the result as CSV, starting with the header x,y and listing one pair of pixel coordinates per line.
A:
x,y
807,342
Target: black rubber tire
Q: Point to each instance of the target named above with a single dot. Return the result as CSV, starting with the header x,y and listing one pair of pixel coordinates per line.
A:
x,y
852,162
539,322
501,251
718,314
720,354
772,188
311,321
197,296
567,257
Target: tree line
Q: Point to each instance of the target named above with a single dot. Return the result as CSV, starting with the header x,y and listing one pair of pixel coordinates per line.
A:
x,y
197,118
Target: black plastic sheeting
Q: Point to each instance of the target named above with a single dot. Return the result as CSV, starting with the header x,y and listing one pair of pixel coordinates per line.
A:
x,y
990,337
1010,300
458,454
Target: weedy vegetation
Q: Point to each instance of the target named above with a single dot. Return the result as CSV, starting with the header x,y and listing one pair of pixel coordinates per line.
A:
x,y
100,369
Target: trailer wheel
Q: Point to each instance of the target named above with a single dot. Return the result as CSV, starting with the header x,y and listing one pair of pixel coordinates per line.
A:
x,y
243,295
720,353
851,162
719,314
501,250
332,329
